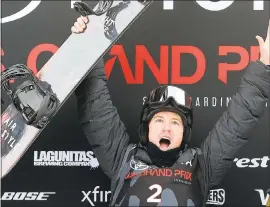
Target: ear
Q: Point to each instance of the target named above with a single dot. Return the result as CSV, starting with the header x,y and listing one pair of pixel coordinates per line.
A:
x,y
143,132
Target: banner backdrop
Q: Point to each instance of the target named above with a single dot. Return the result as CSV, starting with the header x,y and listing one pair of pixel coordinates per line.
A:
x,y
202,46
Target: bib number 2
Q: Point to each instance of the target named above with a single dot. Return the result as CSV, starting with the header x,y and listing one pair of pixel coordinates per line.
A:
x,y
153,198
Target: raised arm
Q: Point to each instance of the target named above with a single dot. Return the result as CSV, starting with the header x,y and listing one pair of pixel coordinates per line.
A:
x,y
99,119
233,129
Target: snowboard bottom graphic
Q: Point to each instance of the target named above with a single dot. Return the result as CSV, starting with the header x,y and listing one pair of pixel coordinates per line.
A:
x,y
72,62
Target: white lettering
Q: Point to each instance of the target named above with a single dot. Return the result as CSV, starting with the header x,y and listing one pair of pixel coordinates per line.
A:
x,y
42,196
252,163
214,6
264,198
96,195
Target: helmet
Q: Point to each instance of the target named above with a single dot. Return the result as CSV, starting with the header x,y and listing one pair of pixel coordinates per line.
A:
x,y
167,98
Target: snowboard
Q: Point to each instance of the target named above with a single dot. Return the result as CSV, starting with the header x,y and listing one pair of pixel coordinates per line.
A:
x,y
72,62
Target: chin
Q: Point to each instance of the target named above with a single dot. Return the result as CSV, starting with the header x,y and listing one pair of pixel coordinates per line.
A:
x,y
164,149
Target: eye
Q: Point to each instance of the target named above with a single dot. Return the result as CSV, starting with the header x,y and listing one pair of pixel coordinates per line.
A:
x,y
176,123
159,120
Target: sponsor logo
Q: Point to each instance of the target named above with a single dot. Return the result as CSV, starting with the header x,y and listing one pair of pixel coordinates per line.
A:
x,y
168,69
216,197
177,174
213,5
204,101
65,158
138,165
252,163
264,196
95,196
28,196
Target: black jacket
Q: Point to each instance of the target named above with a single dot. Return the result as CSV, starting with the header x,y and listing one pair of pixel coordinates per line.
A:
x,y
110,141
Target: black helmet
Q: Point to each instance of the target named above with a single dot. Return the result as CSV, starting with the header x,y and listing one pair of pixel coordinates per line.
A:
x,y
167,98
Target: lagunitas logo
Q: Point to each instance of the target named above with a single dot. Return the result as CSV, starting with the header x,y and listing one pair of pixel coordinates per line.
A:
x,y
252,163
65,158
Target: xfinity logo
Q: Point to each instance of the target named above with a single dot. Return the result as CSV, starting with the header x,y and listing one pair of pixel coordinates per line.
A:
x,y
95,196
28,196
252,163
65,158
216,197
263,196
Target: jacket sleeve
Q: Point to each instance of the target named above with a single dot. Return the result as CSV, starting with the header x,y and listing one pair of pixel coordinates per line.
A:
x,y
233,129
100,121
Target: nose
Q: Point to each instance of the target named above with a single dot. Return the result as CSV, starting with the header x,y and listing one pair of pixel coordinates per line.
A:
x,y
166,127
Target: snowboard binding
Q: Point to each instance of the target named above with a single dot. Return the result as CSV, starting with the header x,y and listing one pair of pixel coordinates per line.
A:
x,y
34,99
82,8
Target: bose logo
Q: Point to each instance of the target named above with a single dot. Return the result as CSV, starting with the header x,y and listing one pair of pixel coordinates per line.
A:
x,y
30,196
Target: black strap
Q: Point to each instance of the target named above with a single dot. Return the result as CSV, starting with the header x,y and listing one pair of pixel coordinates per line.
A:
x,y
82,8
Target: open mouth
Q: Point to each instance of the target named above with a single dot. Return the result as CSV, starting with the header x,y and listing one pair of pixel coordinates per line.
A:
x,y
164,143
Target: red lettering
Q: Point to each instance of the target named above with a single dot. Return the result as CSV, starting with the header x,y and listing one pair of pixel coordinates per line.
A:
x,y
176,172
144,173
168,172
32,58
223,68
130,175
152,172
160,73
162,172
143,56
254,53
119,52
156,172
176,64
183,173
188,176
